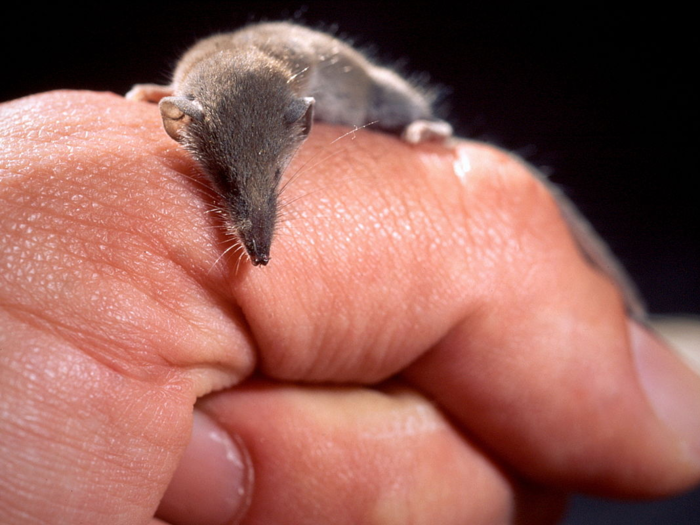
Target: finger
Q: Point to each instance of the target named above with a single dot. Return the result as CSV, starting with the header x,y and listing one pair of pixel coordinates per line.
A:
x,y
343,455
564,387
467,253
213,481
118,248
79,442
107,334
594,423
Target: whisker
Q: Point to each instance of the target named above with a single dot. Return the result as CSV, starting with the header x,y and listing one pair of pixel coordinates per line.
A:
x,y
295,75
298,172
337,182
242,254
235,246
305,167
203,183
354,130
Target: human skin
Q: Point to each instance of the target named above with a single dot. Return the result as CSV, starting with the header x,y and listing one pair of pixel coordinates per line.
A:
x,y
427,345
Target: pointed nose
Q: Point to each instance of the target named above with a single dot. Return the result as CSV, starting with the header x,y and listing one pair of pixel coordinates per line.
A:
x,y
260,259
255,226
257,239
258,252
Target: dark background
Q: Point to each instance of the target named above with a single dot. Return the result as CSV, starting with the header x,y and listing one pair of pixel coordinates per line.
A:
x,y
599,99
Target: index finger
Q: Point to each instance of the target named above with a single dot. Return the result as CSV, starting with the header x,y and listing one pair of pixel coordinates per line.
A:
x,y
459,266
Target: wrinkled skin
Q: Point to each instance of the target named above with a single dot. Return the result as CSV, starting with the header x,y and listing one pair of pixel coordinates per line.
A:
x,y
428,344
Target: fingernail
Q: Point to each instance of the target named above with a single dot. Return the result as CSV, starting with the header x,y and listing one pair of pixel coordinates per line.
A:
x,y
672,387
212,483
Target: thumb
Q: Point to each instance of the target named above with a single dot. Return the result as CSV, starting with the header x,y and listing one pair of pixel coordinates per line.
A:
x,y
212,483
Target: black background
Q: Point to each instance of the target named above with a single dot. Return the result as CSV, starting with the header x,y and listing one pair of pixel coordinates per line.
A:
x,y
599,98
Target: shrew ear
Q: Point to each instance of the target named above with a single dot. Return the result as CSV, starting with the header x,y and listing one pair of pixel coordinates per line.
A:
x,y
177,113
301,111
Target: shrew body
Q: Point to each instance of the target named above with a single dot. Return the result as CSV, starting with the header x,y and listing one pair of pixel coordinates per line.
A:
x,y
242,103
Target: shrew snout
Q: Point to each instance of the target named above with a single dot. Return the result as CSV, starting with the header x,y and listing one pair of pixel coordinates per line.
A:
x,y
255,233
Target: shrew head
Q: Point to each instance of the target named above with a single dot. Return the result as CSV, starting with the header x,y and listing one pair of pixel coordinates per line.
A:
x,y
244,132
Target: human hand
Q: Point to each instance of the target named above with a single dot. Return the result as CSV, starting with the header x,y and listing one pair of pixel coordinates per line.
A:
x,y
428,343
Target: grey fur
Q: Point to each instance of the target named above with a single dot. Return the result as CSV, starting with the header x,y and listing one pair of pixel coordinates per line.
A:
x,y
242,103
